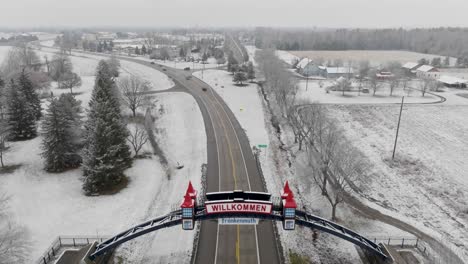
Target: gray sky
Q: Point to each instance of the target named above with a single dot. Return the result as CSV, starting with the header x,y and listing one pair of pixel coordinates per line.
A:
x,y
303,13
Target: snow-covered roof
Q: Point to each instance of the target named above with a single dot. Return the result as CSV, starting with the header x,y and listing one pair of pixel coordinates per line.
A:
x,y
410,65
452,80
339,70
303,63
425,68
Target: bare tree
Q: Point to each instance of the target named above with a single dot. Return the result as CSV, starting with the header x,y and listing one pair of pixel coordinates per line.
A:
x,y
297,121
425,85
133,90
4,133
137,138
69,81
394,82
314,119
19,58
61,64
14,244
374,82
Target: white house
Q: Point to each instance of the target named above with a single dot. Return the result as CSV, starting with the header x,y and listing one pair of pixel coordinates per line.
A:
x,y
427,71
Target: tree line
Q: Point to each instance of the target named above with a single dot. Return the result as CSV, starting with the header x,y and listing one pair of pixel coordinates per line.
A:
x,y
443,41
335,164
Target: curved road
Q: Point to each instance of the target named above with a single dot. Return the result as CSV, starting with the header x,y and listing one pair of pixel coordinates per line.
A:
x,y
231,166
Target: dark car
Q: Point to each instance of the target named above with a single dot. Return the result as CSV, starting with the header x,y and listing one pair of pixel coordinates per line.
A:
x,y
164,69
187,69
152,62
204,89
188,77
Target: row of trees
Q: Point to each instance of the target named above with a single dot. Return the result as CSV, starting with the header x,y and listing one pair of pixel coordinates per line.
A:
x,y
336,165
445,41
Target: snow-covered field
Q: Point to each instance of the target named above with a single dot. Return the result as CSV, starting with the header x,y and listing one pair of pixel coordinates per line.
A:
x,y
211,63
316,91
49,205
286,56
246,104
428,184
375,57
183,139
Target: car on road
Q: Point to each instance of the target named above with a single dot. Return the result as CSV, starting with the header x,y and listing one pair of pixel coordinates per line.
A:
x,y
152,62
188,77
187,69
164,69
204,89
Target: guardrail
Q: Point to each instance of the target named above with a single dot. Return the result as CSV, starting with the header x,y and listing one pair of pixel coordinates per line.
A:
x,y
66,241
434,255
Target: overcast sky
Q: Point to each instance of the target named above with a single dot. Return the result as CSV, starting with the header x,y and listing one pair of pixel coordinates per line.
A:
x,y
189,13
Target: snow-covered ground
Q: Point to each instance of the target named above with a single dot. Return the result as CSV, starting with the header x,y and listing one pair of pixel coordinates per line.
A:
x,y
49,205
375,57
183,139
316,91
246,104
427,186
211,63
251,51
287,57
158,80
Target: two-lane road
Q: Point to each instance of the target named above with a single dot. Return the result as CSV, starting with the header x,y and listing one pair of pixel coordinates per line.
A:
x,y
231,166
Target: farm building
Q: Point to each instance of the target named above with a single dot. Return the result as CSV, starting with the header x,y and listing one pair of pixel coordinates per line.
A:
x,y
306,67
410,67
427,71
454,82
385,75
336,72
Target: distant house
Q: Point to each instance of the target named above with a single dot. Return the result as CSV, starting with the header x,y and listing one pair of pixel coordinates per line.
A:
x,y
337,72
307,67
454,82
427,71
410,67
385,75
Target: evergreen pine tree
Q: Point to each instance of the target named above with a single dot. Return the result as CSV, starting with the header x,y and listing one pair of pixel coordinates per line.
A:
x,y
232,63
99,47
21,116
62,127
27,88
250,71
143,50
137,50
106,154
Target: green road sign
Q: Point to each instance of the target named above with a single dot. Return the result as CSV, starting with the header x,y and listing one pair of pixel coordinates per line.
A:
x,y
263,146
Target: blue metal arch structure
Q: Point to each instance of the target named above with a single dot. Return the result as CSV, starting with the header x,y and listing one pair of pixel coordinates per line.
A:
x,y
175,218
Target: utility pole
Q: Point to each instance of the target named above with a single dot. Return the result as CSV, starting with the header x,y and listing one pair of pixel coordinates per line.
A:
x,y
307,75
202,70
398,128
